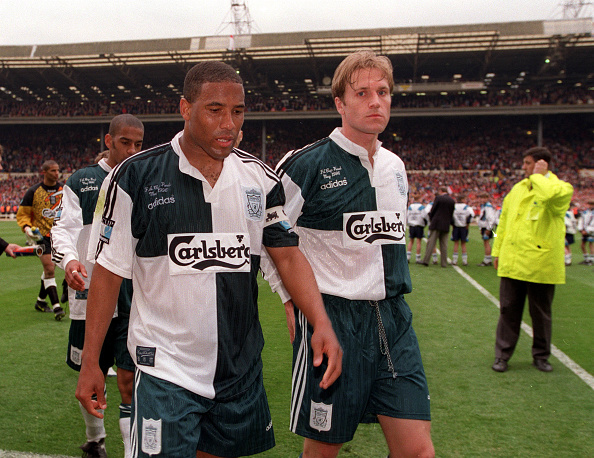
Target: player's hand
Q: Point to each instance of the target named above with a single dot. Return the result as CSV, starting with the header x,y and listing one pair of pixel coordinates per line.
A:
x,y
75,271
91,381
495,262
290,312
324,342
34,236
541,167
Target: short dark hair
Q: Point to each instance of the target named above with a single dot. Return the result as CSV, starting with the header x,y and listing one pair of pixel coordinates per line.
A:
x,y
120,121
208,72
539,152
48,165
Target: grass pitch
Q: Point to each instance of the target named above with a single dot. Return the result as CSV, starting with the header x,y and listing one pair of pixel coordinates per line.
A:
x,y
476,411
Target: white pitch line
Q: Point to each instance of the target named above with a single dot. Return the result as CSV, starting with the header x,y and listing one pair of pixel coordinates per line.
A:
x,y
565,360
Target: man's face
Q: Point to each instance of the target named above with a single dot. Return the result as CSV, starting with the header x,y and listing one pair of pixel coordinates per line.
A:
x,y
125,143
214,119
528,165
365,105
51,175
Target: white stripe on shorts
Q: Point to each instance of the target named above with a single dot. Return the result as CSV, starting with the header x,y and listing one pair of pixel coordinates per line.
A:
x,y
299,373
134,420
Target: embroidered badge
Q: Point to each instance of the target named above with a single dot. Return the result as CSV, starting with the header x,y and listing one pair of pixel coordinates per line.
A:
x,y
401,183
253,203
320,416
151,436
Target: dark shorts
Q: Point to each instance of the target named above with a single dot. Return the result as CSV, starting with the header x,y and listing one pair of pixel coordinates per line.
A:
x,y
114,350
366,387
569,239
415,232
46,244
460,233
486,234
587,238
170,421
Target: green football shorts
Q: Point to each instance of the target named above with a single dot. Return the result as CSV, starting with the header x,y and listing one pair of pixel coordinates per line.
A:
x,y
170,421
372,382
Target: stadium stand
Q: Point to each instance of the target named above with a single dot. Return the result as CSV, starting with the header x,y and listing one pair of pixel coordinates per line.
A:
x,y
468,98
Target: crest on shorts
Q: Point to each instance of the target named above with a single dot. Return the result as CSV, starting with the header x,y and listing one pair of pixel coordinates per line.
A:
x,y
151,436
320,416
253,203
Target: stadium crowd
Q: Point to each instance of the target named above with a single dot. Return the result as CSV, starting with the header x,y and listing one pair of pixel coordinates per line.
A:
x,y
561,95
473,156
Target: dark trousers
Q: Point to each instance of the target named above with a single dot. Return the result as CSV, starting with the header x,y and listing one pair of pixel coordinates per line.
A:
x,y
443,246
512,296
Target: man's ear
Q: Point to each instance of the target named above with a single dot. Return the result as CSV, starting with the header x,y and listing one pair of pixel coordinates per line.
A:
x,y
339,105
108,141
184,108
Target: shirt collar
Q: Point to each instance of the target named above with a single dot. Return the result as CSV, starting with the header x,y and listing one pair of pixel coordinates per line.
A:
x,y
350,147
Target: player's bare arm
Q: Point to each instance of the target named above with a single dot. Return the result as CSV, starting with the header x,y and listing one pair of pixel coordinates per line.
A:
x,y
305,293
290,312
101,303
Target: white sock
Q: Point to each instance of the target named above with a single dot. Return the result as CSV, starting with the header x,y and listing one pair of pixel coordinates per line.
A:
x,y
408,255
95,426
125,430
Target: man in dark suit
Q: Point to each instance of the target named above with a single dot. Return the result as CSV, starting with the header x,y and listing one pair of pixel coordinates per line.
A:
x,y
439,226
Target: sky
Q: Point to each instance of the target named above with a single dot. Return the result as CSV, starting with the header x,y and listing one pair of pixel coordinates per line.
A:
x,y
37,22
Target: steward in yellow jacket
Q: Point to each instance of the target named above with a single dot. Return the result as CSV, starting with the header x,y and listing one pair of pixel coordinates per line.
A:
x,y
529,256
530,242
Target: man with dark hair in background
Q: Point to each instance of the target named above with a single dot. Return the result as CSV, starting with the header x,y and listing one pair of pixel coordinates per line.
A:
x,y
528,254
70,244
35,216
440,218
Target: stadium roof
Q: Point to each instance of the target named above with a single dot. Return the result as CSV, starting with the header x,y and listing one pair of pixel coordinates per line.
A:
x,y
302,63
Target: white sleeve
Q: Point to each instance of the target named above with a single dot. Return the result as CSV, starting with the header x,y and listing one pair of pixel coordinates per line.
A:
x,y
66,229
111,243
293,205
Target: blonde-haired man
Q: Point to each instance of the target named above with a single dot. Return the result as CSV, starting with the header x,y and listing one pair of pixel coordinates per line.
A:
x,y
347,200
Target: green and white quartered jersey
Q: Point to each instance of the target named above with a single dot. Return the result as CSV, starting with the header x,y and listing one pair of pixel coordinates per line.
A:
x,y
72,227
350,217
193,253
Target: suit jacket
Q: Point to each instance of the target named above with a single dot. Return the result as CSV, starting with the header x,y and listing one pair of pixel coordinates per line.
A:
x,y
441,213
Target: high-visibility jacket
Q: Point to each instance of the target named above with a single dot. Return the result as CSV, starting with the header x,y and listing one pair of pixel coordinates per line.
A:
x,y
530,238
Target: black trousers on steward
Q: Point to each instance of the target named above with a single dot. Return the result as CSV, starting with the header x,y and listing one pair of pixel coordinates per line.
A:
x,y
512,296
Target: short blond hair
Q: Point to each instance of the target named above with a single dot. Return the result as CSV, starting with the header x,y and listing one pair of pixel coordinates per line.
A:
x,y
362,59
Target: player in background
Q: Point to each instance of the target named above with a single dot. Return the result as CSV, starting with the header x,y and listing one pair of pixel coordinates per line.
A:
x,y
434,257
35,216
487,221
570,231
586,228
70,244
416,219
347,199
461,219
188,221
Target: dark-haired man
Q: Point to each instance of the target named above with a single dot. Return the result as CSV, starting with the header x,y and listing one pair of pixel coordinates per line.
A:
x,y
189,221
35,216
70,243
528,254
